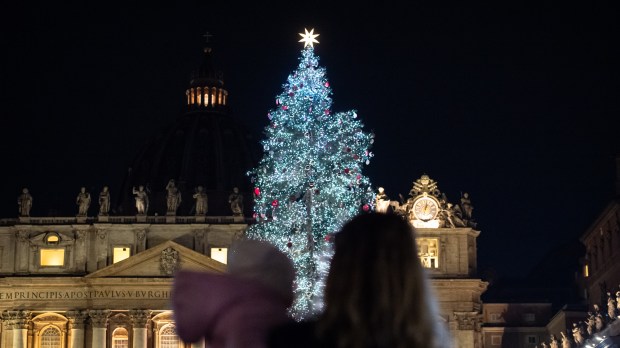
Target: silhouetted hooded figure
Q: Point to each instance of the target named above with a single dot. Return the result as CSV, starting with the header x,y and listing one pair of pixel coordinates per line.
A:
x,y
237,309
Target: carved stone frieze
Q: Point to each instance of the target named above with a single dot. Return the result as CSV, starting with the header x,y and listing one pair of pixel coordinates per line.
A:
x,y
169,261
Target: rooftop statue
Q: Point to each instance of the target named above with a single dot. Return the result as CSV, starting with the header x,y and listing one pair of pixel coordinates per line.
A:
x,y
382,201
24,201
236,202
83,202
173,198
104,201
142,200
202,206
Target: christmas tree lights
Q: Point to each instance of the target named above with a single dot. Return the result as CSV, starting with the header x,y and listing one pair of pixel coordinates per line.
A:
x,y
309,181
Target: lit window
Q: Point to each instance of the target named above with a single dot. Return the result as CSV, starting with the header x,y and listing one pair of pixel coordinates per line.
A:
x,y
586,271
168,337
199,95
52,238
213,100
428,252
220,254
120,338
120,253
496,340
52,257
50,338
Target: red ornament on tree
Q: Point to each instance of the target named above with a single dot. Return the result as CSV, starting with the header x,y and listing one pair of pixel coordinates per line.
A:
x,y
284,107
289,244
291,94
327,112
366,207
274,203
326,84
256,191
346,170
355,157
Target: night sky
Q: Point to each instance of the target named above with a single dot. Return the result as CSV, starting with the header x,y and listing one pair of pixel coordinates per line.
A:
x,y
516,104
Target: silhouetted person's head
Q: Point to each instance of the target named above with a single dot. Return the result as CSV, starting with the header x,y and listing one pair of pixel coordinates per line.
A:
x,y
376,293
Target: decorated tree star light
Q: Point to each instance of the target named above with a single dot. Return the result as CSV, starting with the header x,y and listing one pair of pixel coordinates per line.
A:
x,y
309,181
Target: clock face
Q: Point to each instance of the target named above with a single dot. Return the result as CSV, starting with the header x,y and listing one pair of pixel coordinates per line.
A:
x,y
425,208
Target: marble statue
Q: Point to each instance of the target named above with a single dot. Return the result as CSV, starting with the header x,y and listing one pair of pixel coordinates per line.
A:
x,y
173,197
611,306
578,334
236,202
382,201
554,342
590,322
104,201
566,342
599,322
24,201
83,202
142,200
202,206
466,206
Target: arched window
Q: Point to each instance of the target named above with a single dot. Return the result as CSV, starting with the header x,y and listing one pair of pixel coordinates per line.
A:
x,y
120,338
168,337
50,338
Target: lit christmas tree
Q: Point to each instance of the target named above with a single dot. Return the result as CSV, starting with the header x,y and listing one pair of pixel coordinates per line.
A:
x,y
309,181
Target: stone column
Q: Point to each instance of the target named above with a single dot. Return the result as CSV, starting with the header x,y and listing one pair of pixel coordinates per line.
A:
x,y
6,330
140,239
199,241
99,322
102,248
76,327
80,250
139,319
20,321
22,253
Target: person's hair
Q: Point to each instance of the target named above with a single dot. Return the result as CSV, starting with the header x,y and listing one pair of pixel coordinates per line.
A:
x,y
376,293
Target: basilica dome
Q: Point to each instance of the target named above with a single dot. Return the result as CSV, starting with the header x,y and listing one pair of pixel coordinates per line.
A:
x,y
203,146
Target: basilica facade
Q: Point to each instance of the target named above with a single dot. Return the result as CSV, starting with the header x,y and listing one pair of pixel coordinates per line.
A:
x,y
104,280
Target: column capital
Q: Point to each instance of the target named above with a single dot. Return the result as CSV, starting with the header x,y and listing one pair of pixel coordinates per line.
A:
x,y
76,318
18,319
139,317
99,317
468,320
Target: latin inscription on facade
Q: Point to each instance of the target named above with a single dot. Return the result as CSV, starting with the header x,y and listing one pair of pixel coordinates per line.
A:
x,y
85,295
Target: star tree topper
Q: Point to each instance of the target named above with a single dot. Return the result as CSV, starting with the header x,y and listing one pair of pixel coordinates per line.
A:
x,y
309,38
